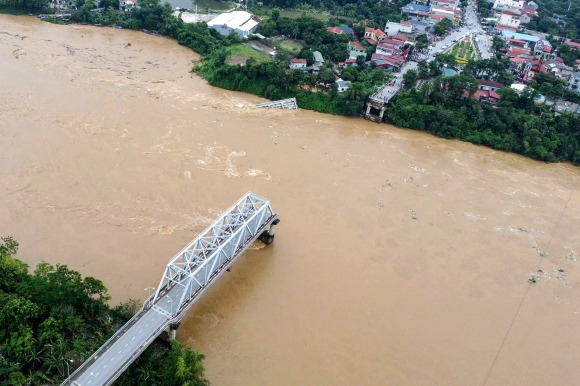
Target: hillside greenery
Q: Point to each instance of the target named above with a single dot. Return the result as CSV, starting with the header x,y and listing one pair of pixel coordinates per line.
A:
x,y
516,125
52,319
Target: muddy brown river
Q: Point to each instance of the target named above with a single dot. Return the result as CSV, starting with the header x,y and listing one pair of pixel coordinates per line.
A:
x,y
401,258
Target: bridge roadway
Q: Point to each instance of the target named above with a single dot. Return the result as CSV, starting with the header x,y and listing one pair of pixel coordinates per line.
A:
x,y
187,276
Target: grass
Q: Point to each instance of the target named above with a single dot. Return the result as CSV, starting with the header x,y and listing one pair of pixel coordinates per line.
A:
x,y
247,52
463,51
291,46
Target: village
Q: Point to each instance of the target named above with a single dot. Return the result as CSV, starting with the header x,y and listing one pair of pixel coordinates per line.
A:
x,y
428,28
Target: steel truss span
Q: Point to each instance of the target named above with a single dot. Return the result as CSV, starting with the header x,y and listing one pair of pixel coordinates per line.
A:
x,y
186,277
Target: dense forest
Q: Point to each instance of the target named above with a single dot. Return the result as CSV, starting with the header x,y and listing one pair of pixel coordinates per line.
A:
x,y
376,12
52,319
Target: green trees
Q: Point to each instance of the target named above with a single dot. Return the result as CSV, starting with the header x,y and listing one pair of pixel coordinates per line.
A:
x,y
442,26
24,5
53,319
517,124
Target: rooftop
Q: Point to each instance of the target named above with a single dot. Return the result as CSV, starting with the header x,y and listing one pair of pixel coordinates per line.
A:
x,y
240,20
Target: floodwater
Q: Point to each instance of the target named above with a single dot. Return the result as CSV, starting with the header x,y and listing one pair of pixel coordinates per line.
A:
x,y
401,259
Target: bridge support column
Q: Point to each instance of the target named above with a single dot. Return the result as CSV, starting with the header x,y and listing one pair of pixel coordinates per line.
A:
x,y
173,330
267,237
381,114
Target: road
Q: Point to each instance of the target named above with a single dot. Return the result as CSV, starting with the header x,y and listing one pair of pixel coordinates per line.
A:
x,y
471,27
130,343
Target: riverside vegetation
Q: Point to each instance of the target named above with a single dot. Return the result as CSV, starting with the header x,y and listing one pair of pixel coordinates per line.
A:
x,y
51,320
517,124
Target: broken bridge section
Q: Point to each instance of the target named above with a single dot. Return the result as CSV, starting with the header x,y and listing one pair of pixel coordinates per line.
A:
x,y
289,104
188,275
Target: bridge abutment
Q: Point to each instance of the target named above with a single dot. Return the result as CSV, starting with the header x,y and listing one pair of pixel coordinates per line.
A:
x,y
377,106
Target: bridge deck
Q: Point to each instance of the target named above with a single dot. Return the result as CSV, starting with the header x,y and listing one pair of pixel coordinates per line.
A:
x,y
187,276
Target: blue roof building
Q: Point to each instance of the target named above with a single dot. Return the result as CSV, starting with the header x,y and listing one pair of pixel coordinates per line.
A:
x,y
413,8
515,35
346,29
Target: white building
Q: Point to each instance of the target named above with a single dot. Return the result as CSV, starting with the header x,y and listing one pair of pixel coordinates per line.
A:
x,y
509,19
297,64
508,3
392,28
240,22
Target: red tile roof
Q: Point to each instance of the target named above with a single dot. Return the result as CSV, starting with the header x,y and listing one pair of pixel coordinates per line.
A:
x,y
489,83
356,45
437,17
335,30
573,44
515,51
371,41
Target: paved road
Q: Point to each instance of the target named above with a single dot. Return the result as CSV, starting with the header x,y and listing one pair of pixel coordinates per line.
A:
x,y
471,27
129,344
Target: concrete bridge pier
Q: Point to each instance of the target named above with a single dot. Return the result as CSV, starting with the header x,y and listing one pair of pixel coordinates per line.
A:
x,y
173,330
267,237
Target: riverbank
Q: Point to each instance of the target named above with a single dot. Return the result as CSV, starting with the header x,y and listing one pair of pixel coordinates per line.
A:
x,y
533,130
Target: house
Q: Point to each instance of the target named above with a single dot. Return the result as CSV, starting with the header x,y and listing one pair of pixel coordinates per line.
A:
x,y
543,49
342,84
318,59
59,4
445,12
577,65
443,3
509,19
532,5
124,5
574,81
518,52
392,28
521,65
560,105
396,41
573,45
488,85
414,9
297,64
519,36
241,22
418,27
501,4
346,30
484,96
374,34
558,19
355,49
386,49
335,30
511,43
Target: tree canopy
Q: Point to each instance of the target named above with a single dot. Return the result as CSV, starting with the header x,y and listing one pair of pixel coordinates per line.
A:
x,y
51,320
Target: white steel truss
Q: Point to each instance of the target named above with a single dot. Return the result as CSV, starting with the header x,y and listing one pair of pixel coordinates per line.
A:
x,y
196,265
185,278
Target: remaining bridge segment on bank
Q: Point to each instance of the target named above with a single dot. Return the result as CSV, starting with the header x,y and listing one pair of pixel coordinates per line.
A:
x,y
185,278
